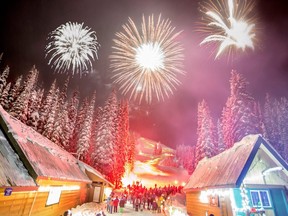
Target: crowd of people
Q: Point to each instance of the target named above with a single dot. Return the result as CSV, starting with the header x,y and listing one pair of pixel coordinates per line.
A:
x,y
153,198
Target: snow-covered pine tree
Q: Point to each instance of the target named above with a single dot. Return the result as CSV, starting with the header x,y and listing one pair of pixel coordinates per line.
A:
x,y
221,145
85,134
93,137
106,137
78,124
130,151
270,118
238,117
3,78
186,157
34,107
73,105
205,146
19,109
51,116
283,125
46,107
14,93
121,142
4,96
60,116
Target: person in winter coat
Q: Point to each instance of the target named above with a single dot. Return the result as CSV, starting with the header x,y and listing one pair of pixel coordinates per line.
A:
x,y
108,203
115,204
137,203
154,206
122,204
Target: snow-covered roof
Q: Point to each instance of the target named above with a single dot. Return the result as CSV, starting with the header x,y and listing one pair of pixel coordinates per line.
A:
x,y
229,168
99,177
45,158
12,170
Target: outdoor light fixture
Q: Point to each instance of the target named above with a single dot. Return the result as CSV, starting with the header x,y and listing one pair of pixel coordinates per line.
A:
x,y
265,172
62,188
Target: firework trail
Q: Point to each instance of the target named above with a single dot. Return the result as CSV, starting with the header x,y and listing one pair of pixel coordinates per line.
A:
x,y
72,48
145,63
230,24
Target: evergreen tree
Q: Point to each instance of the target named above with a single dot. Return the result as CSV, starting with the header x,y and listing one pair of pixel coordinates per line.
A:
x,y
221,145
3,78
283,126
186,157
4,96
71,121
14,93
78,125
34,107
61,115
49,127
238,117
46,107
120,147
205,146
106,138
19,109
270,115
130,148
85,133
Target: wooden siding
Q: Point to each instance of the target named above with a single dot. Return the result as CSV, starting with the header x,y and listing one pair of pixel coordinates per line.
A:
x,y
196,208
33,203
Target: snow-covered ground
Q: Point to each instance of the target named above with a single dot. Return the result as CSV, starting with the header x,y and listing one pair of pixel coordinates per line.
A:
x,y
90,209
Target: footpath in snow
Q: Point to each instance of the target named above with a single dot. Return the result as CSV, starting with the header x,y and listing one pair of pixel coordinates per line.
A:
x,y
90,209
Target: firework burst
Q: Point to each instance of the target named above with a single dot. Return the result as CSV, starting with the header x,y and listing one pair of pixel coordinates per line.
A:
x,y
145,63
72,48
231,23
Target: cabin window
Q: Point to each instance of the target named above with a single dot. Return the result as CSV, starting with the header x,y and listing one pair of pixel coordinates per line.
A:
x,y
53,196
260,198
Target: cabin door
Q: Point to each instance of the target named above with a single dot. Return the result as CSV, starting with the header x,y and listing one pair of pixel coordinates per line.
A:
x,y
96,195
279,202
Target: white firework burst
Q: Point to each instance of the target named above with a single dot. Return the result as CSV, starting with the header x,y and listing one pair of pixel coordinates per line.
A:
x,y
72,48
145,62
230,24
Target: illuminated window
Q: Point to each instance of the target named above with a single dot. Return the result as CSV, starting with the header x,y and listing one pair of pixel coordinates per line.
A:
x,y
260,198
53,196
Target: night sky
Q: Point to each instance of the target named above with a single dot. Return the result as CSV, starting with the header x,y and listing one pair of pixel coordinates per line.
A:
x,y
25,26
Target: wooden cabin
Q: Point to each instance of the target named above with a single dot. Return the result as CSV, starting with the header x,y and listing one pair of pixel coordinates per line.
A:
x,y
38,177
250,178
100,188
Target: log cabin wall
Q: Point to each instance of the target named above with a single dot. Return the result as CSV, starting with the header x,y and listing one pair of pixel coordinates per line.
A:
x,y
33,203
196,208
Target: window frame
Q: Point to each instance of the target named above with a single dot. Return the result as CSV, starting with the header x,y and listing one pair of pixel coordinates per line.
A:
x,y
260,197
